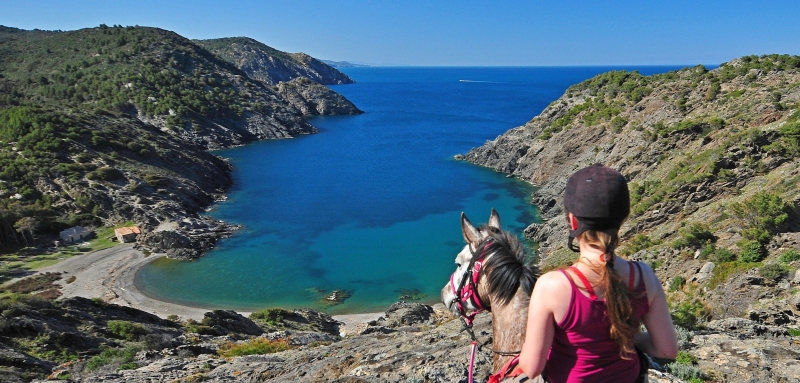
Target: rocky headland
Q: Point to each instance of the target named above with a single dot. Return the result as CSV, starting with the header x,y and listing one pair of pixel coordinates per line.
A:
x,y
110,125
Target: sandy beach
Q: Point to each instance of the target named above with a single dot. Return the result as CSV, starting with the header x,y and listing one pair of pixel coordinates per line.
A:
x,y
109,274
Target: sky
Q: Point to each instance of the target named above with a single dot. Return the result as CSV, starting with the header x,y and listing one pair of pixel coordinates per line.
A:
x,y
456,33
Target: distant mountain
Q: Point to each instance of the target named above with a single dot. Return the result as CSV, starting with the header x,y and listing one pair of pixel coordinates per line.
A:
x,y
343,64
272,66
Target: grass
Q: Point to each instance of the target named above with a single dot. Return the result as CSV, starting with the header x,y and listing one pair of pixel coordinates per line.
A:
x,y
19,263
724,270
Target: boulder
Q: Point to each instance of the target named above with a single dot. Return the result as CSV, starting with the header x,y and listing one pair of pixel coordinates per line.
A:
x,y
224,322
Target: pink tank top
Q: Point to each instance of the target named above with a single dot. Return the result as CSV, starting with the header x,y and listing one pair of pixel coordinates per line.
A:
x,y
583,350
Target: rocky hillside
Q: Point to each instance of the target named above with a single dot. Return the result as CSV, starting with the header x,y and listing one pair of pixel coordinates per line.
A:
x,y
108,125
272,66
314,99
297,77
712,161
83,340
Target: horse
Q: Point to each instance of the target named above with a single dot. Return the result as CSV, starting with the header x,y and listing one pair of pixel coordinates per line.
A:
x,y
493,274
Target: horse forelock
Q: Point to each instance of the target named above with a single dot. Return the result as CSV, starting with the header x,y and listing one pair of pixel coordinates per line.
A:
x,y
507,267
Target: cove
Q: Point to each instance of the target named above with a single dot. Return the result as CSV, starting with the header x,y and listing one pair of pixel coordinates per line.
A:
x,y
370,205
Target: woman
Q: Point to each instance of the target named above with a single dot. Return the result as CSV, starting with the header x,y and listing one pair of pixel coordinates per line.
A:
x,y
583,321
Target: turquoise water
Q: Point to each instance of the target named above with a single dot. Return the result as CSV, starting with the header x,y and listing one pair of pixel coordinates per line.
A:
x,y
371,204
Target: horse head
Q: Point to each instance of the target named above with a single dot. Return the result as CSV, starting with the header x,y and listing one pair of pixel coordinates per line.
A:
x,y
491,269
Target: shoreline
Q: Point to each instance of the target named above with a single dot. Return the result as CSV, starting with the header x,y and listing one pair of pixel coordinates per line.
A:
x,y
109,275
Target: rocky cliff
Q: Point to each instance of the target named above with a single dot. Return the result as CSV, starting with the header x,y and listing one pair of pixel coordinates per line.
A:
x,y
712,163
272,66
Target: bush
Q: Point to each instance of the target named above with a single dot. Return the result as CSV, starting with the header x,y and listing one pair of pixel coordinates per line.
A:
x,y
256,346
637,243
684,371
696,235
790,255
129,331
106,174
689,313
752,251
272,317
676,283
773,271
708,250
723,255
120,358
764,214
686,358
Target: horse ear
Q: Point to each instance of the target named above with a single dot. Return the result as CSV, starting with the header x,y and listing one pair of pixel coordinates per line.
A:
x,y
494,219
471,234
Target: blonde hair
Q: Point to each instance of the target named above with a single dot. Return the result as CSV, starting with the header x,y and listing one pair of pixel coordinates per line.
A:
x,y
617,295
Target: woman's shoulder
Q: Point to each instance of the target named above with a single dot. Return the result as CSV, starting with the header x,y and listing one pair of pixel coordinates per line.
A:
x,y
650,278
554,279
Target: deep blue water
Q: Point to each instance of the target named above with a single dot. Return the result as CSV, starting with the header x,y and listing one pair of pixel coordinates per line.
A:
x,y
371,204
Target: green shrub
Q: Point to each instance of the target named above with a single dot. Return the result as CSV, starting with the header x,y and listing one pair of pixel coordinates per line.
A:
x,y
129,331
686,358
684,371
637,243
257,346
272,316
773,271
723,255
708,250
695,236
689,313
106,174
764,214
790,255
676,283
617,123
121,358
751,251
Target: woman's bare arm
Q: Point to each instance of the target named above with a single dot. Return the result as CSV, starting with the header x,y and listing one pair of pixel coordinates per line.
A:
x,y
541,324
660,339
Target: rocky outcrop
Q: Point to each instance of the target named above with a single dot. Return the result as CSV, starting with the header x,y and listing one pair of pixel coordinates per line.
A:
x,y
313,99
272,66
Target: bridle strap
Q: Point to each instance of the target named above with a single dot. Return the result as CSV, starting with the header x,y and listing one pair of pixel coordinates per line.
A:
x,y
467,291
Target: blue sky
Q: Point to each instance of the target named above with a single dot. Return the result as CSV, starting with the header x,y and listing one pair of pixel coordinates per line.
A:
x,y
444,32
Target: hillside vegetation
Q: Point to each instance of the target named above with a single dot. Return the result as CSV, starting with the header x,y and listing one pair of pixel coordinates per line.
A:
x,y
107,125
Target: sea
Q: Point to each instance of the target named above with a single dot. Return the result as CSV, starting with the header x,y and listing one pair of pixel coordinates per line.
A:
x,y
368,209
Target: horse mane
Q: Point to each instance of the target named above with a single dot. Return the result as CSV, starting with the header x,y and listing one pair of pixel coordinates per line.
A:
x,y
508,268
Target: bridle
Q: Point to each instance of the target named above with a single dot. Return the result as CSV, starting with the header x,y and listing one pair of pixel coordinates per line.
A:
x,y
467,291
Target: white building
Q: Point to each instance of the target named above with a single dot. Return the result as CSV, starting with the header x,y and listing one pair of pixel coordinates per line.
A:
x,y
75,234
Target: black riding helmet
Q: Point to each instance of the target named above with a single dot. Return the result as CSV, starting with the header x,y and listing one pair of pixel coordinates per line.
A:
x,y
598,197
